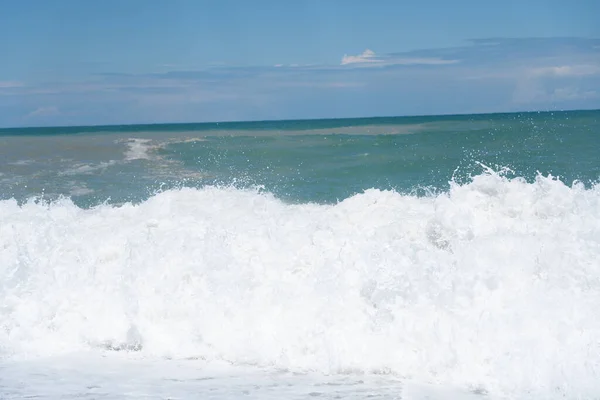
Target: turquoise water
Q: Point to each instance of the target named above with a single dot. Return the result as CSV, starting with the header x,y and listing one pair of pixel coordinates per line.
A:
x,y
320,161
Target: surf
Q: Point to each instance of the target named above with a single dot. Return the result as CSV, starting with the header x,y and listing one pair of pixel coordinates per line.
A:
x,y
493,284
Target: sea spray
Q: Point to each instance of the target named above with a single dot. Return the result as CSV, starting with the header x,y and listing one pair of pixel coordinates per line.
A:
x,y
494,285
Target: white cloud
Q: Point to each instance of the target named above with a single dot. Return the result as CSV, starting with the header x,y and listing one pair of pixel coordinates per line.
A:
x,y
367,56
47,111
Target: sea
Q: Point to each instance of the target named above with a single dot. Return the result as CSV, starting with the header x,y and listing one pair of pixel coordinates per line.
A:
x,y
434,257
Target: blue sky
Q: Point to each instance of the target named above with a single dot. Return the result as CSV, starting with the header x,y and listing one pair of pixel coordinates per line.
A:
x,y
70,62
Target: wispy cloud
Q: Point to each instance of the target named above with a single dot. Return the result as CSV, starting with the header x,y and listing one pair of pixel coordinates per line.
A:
x,y
366,57
567,70
534,92
421,61
573,93
10,84
369,58
481,76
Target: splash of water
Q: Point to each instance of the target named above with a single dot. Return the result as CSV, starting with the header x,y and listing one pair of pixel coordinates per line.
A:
x,y
494,285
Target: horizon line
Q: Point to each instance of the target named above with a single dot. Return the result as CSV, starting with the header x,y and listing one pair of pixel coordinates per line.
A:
x,y
258,121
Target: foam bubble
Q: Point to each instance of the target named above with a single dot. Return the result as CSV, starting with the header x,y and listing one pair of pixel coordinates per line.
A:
x,y
80,190
87,169
138,149
494,285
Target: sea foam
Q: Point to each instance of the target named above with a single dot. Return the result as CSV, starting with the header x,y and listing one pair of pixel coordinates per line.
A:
x,y
494,285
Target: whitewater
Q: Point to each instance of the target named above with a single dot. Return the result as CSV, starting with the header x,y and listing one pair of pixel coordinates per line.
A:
x,y
488,290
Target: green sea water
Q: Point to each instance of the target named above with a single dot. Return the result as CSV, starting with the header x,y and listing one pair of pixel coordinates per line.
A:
x,y
321,161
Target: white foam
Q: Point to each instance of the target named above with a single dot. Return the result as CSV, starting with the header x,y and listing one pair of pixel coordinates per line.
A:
x,y
138,149
493,286
188,140
80,190
22,162
120,376
87,169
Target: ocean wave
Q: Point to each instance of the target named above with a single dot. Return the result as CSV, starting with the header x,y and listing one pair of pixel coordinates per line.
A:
x,y
494,284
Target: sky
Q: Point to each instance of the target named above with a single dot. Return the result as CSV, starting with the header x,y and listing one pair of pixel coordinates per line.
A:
x,y
73,62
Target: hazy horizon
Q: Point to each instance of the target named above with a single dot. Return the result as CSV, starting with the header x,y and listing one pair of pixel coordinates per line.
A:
x,y
258,121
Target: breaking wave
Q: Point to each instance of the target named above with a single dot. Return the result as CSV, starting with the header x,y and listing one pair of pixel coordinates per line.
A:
x,y
494,284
